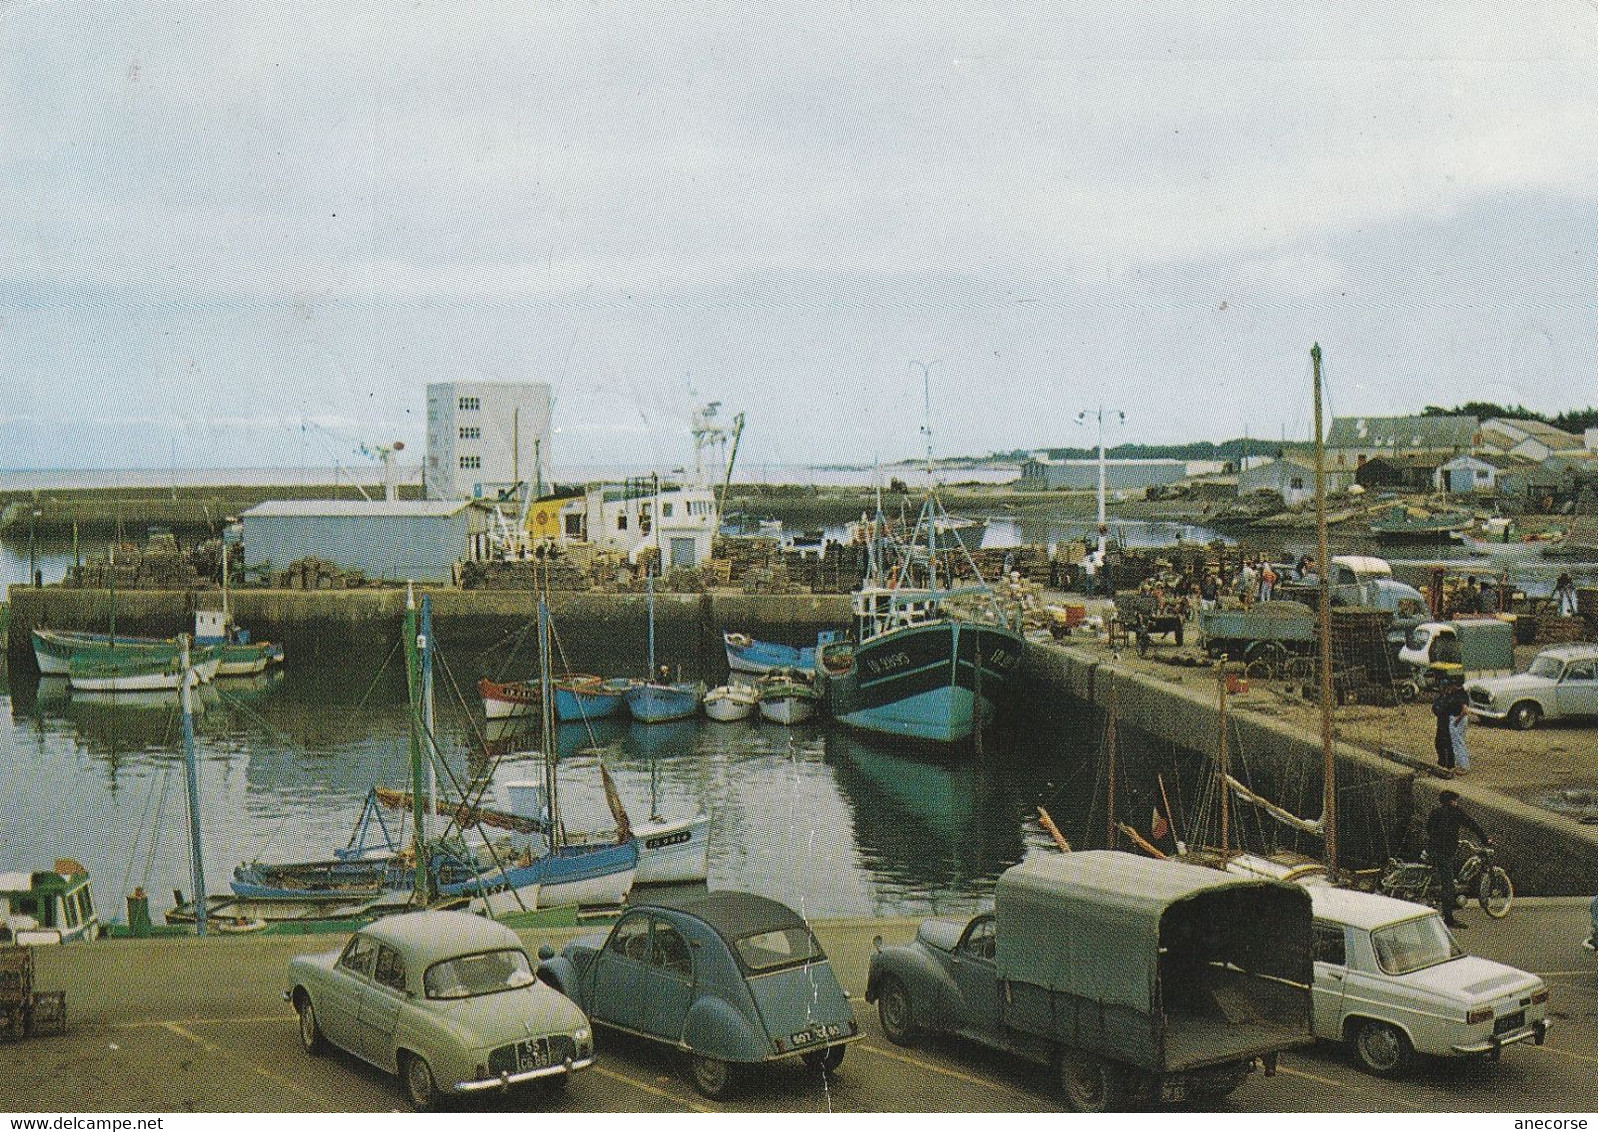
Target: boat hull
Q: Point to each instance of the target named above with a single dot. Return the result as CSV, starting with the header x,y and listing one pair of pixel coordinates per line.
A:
x,y
787,710
924,681
744,654
248,660
139,674
595,699
729,706
54,649
673,852
660,703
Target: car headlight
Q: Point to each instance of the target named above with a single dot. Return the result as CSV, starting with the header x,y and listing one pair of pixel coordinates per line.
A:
x,y
582,1034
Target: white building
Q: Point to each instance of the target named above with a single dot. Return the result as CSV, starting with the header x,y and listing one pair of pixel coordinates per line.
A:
x,y
486,438
621,517
1527,439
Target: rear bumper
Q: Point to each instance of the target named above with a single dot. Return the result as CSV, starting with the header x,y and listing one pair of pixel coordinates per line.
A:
x,y
1536,1032
506,1080
816,1047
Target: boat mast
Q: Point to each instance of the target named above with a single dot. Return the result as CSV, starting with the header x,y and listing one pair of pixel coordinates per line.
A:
x,y
1224,762
111,552
424,647
191,772
418,784
1328,764
546,724
1109,793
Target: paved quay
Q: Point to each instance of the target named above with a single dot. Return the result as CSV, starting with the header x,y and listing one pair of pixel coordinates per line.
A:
x,y
199,1025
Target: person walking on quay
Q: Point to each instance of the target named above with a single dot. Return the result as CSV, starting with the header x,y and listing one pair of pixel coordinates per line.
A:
x,y
1565,596
1209,590
1449,705
1267,581
1442,847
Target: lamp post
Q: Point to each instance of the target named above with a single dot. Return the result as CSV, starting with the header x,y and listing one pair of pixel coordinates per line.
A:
x,y
1082,419
926,409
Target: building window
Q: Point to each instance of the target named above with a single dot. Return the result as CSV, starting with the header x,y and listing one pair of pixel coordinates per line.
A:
x,y
470,432
1297,483
469,404
471,463
665,510
621,521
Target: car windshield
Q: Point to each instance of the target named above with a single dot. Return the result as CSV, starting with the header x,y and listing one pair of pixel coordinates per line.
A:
x,y
487,972
1413,945
781,948
1546,667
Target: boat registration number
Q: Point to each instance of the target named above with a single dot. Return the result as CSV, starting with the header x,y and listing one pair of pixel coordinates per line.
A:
x,y
681,837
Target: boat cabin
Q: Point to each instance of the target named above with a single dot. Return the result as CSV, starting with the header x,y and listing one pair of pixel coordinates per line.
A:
x,y
53,906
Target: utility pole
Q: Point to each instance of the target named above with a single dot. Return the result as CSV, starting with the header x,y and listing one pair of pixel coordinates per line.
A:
x,y
1082,418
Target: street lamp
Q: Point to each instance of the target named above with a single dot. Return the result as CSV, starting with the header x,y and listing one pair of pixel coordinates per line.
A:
x,y
926,409
1082,419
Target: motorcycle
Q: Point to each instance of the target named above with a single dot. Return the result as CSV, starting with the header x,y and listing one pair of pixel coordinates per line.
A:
x,y
1479,876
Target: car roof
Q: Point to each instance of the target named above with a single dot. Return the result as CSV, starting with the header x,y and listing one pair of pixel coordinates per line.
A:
x,y
1367,910
1570,652
428,937
734,915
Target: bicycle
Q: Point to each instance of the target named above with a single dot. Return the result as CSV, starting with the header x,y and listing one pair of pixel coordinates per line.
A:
x,y
1479,875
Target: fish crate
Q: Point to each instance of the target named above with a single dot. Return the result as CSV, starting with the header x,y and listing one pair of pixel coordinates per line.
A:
x,y
16,976
47,1014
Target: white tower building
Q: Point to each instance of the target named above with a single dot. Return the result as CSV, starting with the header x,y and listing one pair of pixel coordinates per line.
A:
x,y
486,437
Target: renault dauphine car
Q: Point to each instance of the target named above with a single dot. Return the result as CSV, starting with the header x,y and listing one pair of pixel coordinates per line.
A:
x,y
729,978
446,1000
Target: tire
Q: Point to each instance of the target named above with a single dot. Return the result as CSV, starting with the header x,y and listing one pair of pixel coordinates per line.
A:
x,y
419,1084
1382,1049
825,1060
1090,1084
894,1012
1496,893
713,1077
311,1039
1524,715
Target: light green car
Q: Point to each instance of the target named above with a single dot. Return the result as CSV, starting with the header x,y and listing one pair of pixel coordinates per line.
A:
x,y
448,1001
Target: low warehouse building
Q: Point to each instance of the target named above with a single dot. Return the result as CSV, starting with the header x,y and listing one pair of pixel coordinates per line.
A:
x,y
408,540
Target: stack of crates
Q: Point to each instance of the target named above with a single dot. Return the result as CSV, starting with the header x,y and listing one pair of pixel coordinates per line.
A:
x,y
16,991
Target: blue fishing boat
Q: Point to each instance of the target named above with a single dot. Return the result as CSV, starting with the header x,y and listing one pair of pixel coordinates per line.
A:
x,y
928,661
745,654
660,701
580,698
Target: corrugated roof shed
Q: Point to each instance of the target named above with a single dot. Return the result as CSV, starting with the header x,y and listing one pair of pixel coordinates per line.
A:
x,y
358,508
1400,433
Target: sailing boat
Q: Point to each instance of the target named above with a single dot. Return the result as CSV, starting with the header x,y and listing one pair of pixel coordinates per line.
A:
x,y
657,700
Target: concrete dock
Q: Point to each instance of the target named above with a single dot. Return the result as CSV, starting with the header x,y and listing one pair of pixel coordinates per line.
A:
x,y
199,1025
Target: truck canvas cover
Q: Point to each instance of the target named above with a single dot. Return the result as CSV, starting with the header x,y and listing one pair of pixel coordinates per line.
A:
x,y
1163,963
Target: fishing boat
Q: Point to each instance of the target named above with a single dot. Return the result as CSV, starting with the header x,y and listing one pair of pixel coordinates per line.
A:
x,y
123,670
670,851
788,696
657,699
745,654
731,702
511,699
241,656
929,660
1399,523
47,906
1496,538
578,697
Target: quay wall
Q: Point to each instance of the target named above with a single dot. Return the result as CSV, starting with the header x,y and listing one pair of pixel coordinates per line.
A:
x,y
1546,854
328,626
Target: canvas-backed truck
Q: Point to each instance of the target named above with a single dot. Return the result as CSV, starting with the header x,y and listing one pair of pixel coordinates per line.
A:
x,y
1467,649
1138,980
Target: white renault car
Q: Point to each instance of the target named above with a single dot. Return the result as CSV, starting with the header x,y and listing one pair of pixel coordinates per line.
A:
x,y
1391,982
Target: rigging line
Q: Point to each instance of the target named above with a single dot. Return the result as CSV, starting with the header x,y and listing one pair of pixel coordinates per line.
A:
x,y
378,675
138,834
588,724
155,828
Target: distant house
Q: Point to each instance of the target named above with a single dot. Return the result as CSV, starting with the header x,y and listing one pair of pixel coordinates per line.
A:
x,y
1529,440
1119,475
1412,472
1352,441
1292,477
1473,475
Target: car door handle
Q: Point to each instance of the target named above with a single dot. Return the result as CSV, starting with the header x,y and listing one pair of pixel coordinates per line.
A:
x,y
1335,976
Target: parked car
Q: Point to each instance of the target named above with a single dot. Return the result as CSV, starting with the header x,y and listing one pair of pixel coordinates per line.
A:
x,y
1562,683
1391,982
446,1000
732,979
1138,980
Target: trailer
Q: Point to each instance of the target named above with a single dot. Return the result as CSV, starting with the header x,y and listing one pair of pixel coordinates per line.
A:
x,y
1268,633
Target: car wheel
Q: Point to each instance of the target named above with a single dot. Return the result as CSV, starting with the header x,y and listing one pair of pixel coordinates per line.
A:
x,y
893,1010
715,1078
825,1060
419,1083
311,1039
1382,1049
1090,1083
1524,715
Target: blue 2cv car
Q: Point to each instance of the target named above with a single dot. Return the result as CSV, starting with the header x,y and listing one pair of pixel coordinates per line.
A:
x,y
731,979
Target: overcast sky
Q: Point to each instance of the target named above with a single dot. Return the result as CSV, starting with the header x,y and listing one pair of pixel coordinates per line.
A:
x,y
220,219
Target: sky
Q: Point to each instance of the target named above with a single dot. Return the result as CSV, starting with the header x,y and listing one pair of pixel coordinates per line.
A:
x,y
249,234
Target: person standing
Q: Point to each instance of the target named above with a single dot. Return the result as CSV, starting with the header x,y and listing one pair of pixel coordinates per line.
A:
x,y
1565,596
1442,846
1267,581
1448,706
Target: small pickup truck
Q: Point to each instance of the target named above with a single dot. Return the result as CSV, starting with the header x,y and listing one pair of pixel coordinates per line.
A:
x,y
1562,683
1137,980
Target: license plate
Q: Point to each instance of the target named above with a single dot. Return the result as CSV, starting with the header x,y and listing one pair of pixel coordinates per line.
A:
x,y
532,1055
1510,1022
814,1034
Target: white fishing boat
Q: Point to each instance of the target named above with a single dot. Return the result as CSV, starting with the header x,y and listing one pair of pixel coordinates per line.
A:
x,y
673,852
105,672
731,702
788,697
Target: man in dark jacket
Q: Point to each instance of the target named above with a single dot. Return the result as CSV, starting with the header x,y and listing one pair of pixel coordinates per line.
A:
x,y
1448,705
1442,846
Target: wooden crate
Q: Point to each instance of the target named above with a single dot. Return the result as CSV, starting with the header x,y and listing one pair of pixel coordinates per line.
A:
x,y
48,1013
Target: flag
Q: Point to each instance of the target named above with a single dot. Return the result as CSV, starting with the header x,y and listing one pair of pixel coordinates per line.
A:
x,y
1158,826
